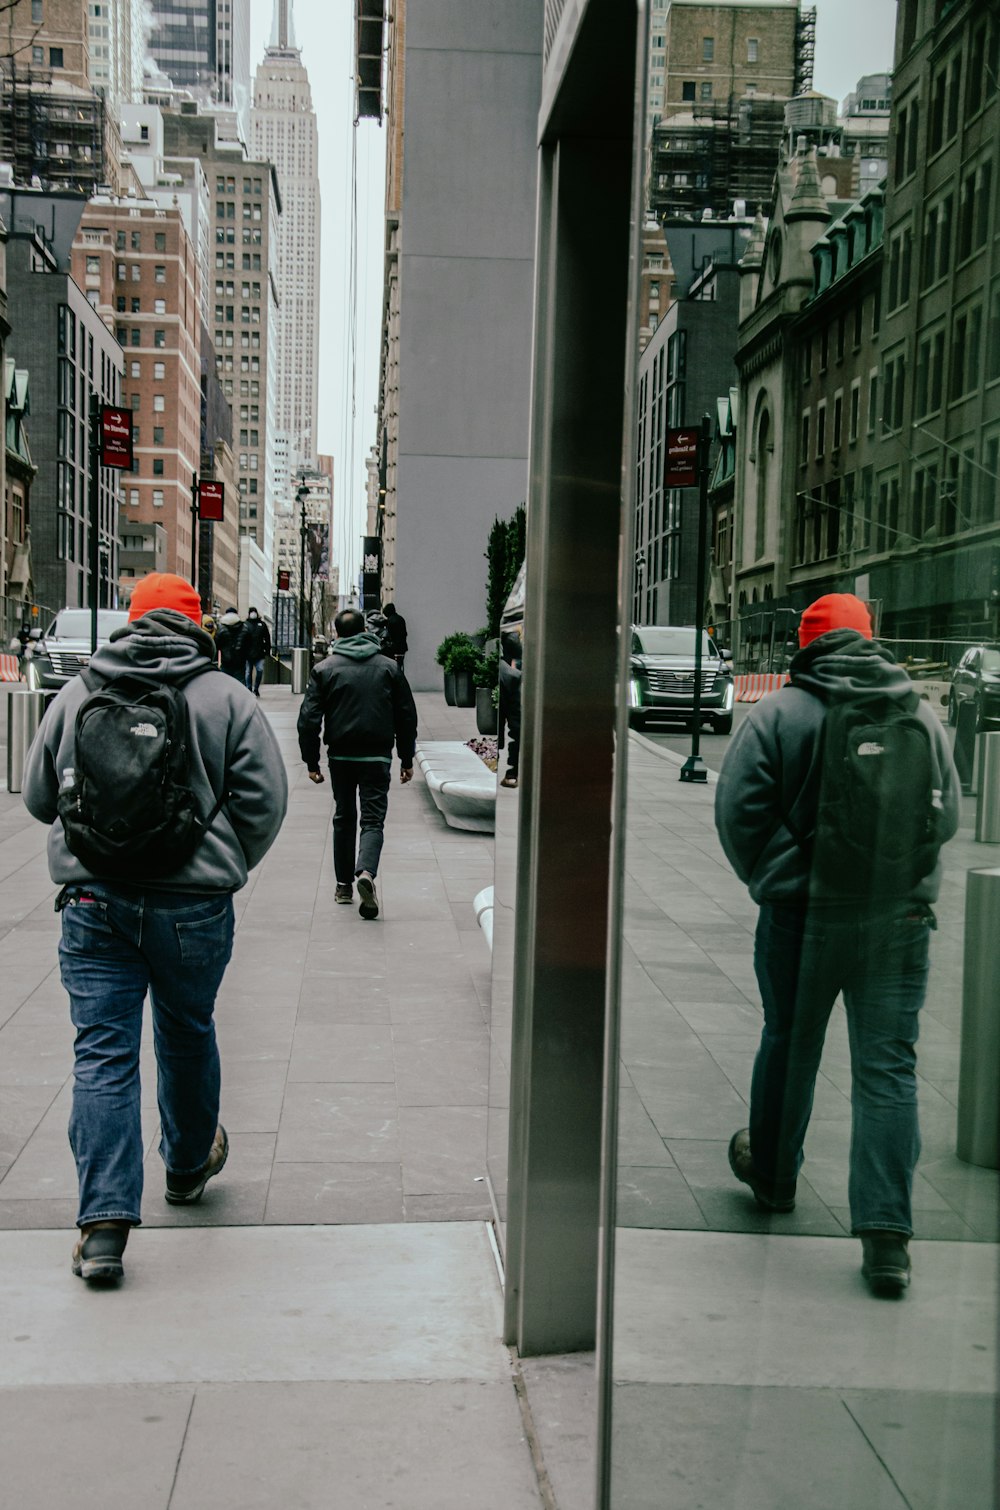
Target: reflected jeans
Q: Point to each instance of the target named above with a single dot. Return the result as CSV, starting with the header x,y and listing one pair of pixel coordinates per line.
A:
x,y
116,946
363,783
804,958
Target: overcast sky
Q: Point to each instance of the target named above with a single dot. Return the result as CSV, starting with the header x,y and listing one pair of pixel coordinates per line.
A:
x,y
853,37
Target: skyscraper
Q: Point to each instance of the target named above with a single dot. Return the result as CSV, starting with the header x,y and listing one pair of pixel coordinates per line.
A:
x,y
204,46
284,133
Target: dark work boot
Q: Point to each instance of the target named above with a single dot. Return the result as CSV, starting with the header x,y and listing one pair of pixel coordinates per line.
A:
x,y
97,1256
885,1262
185,1189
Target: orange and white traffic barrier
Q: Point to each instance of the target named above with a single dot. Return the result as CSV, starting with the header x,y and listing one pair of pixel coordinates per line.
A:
x,y
751,688
10,668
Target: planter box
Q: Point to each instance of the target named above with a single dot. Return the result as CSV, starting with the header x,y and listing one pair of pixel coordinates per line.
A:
x,y
465,691
449,688
486,714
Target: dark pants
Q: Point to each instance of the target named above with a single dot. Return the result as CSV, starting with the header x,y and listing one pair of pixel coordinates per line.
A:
x,y
804,958
115,949
364,783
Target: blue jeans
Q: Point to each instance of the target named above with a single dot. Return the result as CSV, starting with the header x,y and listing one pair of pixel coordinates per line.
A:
x,y
804,958
355,783
117,945
254,673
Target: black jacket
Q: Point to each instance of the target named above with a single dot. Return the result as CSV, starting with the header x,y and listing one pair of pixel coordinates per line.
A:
x,y
229,644
256,642
362,703
396,625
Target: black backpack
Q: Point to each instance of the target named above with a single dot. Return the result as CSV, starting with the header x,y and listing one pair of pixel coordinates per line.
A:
x,y
127,808
878,818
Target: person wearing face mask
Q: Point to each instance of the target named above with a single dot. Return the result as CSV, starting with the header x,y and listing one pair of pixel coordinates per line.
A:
x,y
256,648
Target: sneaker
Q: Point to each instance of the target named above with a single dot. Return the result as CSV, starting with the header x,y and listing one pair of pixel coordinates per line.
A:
x,y
97,1256
185,1189
344,894
771,1194
366,891
885,1262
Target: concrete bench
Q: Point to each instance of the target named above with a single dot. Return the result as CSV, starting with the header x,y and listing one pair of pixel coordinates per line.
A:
x,y
482,906
464,789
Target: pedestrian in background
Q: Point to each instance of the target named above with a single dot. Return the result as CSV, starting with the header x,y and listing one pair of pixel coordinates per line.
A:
x,y
396,628
256,648
229,644
361,702
509,716
835,797
148,868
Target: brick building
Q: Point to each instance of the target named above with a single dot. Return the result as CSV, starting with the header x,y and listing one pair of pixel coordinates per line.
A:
x,y
138,269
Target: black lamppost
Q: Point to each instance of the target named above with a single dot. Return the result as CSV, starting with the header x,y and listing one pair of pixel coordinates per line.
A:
x,y
302,495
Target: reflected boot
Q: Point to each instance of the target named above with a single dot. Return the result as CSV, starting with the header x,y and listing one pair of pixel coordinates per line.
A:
x,y
773,1195
885,1262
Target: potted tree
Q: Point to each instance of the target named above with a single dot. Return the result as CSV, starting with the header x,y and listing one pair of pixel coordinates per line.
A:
x,y
462,661
487,681
442,654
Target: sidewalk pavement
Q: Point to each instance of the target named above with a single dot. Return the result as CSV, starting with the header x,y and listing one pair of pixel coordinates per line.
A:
x,y
324,1329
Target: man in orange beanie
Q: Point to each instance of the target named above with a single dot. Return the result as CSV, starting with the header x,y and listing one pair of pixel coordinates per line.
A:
x,y
834,800
161,799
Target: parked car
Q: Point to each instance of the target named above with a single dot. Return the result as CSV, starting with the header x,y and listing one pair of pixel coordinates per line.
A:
x,y
661,684
977,679
64,648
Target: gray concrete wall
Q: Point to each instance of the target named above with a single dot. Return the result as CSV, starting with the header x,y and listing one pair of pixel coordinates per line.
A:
x,y
473,84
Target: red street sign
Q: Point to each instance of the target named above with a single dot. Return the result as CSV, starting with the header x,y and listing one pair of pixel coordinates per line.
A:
x,y
116,438
681,469
211,500
284,580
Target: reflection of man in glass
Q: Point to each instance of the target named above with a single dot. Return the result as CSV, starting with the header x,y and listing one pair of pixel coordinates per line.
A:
x,y
843,861
509,723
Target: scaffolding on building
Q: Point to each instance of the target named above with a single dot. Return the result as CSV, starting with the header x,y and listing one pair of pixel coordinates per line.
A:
x,y
722,152
52,137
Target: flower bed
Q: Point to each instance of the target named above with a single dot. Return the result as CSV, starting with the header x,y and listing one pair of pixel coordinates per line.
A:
x,y
486,749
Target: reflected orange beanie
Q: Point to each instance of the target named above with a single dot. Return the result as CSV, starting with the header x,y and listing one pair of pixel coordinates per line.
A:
x,y
161,589
837,610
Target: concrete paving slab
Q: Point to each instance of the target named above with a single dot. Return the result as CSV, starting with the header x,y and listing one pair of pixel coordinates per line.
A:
x,y
104,1449
330,1194
377,1303
716,1308
940,1448
562,1393
401,1446
743,1449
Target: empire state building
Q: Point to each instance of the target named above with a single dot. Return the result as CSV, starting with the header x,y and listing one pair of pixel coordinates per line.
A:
x,y
283,129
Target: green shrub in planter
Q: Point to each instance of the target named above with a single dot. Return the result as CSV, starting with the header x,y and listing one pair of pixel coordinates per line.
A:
x,y
462,656
487,673
448,644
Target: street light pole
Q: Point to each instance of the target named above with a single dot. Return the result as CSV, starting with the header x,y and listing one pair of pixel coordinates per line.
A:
x,y
303,494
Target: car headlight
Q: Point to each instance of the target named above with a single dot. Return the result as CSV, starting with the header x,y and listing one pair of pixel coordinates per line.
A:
x,y
634,692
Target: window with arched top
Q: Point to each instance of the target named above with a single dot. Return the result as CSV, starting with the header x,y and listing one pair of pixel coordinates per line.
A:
x,y
764,445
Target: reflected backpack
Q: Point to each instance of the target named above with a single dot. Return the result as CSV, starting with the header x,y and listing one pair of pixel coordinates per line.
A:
x,y
127,808
879,813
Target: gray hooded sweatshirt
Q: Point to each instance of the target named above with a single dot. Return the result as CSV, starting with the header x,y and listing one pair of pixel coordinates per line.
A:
x,y
773,765
232,750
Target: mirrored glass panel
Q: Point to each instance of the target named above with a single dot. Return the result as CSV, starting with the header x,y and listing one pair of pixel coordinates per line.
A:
x,y
808,1133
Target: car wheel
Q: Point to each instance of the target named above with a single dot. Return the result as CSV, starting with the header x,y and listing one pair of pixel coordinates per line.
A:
x,y
723,725
952,710
636,720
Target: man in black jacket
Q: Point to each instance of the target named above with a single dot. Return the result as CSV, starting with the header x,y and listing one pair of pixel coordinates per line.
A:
x,y
396,629
256,647
362,703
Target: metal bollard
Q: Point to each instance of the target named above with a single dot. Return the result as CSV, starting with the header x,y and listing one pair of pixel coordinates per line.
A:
x,y
988,804
979,1066
24,714
965,746
300,671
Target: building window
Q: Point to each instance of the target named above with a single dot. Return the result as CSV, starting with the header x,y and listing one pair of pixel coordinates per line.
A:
x,y
688,90
965,347
133,497
706,91
159,403
160,241
159,369
929,382
708,49
159,273
157,435
804,441
157,466
55,57
134,306
159,306
820,430
900,257
855,411
158,497
753,43
159,338
894,393
136,336
136,369
974,210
